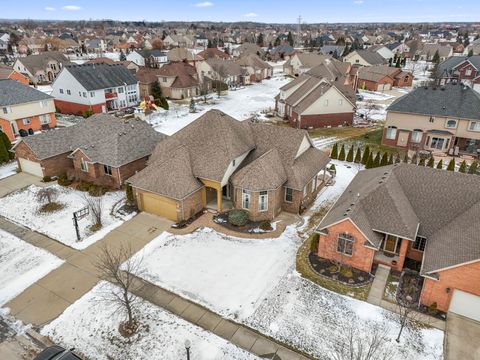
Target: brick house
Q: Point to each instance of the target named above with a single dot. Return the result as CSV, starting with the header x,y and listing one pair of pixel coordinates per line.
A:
x,y
98,88
102,149
439,119
463,69
7,72
408,215
318,98
24,110
179,80
381,78
221,163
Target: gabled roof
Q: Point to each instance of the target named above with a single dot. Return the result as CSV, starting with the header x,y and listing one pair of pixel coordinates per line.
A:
x,y
215,53
101,76
154,52
452,100
371,57
185,74
13,93
34,63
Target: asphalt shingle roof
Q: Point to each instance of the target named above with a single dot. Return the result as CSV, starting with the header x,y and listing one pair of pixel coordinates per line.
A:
x,y
12,93
101,76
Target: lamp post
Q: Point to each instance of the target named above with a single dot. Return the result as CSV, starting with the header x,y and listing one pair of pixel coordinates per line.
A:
x,y
188,344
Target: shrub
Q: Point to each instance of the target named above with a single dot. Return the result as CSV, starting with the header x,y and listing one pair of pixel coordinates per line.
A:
x,y
440,164
451,165
463,167
432,308
265,225
95,190
350,154
332,269
421,162
341,155
63,180
87,113
333,169
346,272
129,193
314,242
47,179
238,217
358,156
473,169
334,153
51,207
431,162
384,159
84,186
366,155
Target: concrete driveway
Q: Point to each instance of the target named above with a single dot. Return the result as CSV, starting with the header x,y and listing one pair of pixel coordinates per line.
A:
x,y
462,338
17,182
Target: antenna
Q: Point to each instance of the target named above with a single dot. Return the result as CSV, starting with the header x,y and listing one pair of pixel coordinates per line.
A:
x,y
298,38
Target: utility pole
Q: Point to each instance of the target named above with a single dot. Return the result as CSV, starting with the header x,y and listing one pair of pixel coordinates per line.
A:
x,y
298,38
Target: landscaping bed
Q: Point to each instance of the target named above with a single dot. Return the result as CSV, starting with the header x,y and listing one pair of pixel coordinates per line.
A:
x,y
251,227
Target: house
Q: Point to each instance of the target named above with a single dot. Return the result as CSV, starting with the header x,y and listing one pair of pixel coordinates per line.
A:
x,y
302,62
213,53
226,71
42,68
381,78
406,215
464,69
365,58
173,40
182,54
282,52
146,78
95,45
222,163
383,51
7,72
445,70
24,110
428,51
102,149
248,49
255,68
149,58
179,80
332,50
95,88
440,119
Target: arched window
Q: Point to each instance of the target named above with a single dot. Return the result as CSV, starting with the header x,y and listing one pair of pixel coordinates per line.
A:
x,y
345,244
391,132
417,135
451,124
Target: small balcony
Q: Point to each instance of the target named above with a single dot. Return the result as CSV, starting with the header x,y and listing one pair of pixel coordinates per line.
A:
x,y
111,95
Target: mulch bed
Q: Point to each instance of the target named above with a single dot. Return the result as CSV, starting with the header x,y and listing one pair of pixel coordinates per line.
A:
x,y
222,220
327,268
410,284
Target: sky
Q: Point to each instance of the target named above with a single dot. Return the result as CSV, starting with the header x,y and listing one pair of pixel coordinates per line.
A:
x,y
267,11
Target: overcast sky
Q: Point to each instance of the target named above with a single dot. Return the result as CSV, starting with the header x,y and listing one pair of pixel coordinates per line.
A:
x,y
269,11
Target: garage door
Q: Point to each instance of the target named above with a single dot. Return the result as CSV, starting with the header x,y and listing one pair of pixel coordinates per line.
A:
x,y
155,204
384,87
31,167
465,304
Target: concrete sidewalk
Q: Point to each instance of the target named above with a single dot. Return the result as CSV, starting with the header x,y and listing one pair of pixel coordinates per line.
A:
x,y
375,295
19,181
462,338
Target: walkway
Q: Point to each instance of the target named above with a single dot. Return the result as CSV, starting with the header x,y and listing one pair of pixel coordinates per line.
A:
x,y
375,296
461,338
17,182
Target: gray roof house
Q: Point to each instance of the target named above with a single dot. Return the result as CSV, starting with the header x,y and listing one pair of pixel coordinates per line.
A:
x,y
13,93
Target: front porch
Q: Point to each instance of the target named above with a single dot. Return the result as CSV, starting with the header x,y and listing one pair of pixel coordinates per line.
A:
x,y
392,252
218,198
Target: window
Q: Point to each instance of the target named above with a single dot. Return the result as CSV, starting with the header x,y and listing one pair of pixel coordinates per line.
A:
x,y
83,165
417,135
44,119
61,91
26,121
437,143
120,90
84,94
345,244
468,72
263,201
164,79
233,162
43,103
92,93
451,124
391,132
80,93
419,243
5,110
288,195
432,119
474,126
245,199
107,169
69,92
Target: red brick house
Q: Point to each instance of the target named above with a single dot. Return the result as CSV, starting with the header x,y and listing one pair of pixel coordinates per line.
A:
x,y
7,72
381,77
404,212
102,149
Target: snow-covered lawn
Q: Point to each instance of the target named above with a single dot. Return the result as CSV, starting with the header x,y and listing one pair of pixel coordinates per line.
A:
x,y
324,142
374,95
22,207
8,169
226,274
21,264
47,89
90,325
421,72
241,104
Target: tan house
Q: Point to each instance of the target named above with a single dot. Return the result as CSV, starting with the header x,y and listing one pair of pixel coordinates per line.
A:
x,y
255,68
220,163
365,58
42,68
179,80
300,63
440,119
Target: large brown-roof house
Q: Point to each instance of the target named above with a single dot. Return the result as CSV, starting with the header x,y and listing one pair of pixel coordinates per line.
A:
x,y
101,149
218,162
408,215
42,68
179,80
381,78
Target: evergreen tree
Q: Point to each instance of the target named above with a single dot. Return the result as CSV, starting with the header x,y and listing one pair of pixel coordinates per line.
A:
x,y
421,162
192,105
473,169
260,40
209,44
440,165
164,103
8,145
122,56
384,159
366,155
358,156
451,165
398,64
470,53
390,159
436,58
463,167
376,160
346,51
156,91
334,152
277,41
341,155
350,154
369,164
4,157
290,38
431,162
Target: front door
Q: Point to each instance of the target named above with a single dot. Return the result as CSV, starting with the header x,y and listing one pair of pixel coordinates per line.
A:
x,y
390,244
14,128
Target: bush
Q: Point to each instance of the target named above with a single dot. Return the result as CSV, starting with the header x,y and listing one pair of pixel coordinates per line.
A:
x,y
63,180
265,225
314,238
334,152
333,169
51,207
47,179
95,190
238,217
346,272
129,194
84,186
341,154
350,154
432,308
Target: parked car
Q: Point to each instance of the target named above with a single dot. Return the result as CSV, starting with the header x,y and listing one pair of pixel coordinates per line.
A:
x,y
57,353
359,97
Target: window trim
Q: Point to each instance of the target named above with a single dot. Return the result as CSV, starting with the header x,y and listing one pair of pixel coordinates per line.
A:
x,y
451,127
26,121
417,131
107,170
346,238
248,197
264,195
286,193
422,242
45,116
83,165
391,127
470,126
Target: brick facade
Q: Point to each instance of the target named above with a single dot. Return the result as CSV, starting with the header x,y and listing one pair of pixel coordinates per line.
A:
x,y
362,257
374,85
191,205
321,120
34,125
275,200
465,278
66,107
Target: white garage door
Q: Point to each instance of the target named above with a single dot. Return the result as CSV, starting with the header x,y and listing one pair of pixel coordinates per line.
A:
x,y
31,167
465,304
384,87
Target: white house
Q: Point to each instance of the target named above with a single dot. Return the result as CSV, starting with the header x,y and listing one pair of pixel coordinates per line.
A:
x,y
149,58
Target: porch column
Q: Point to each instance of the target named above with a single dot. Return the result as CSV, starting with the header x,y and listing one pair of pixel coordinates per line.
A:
x,y
219,200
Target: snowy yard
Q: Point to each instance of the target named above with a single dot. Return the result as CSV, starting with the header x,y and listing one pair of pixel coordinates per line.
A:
x,y
421,72
22,207
90,325
240,104
8,169
21,264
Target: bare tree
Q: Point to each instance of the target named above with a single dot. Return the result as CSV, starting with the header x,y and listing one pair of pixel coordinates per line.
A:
x,y
120,267
95,207
407,304
47,195
369,109
354,344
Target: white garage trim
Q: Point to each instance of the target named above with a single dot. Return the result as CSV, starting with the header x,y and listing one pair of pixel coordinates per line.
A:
x,y
31,167
465,304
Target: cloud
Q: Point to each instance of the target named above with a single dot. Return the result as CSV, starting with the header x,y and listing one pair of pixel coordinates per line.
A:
x,y
203,4
250,14
49,8
71,7
358,2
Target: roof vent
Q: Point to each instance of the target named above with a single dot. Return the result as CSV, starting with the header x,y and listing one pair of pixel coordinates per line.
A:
x,y
380,182
345,214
